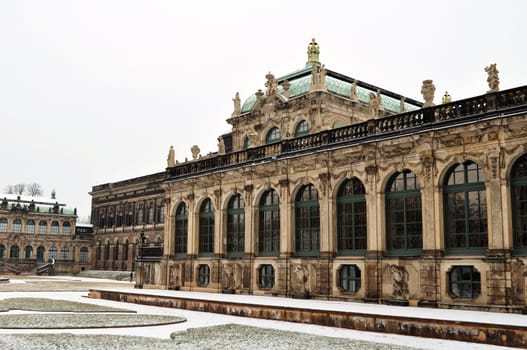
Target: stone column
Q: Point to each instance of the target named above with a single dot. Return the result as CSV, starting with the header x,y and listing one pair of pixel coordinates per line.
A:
x,y
372,261
286,227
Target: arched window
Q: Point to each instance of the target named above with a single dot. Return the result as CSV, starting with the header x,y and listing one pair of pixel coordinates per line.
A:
x,y
3,225
84,255
14,252
519,204
54,228
338,124
102,217
307,221
28,252
236,226
125,250
30,227
52,253
404,224
269,224
116,251
302,128
160,217
465,206
2,251
42,227
246,143
64,253
66,228
150,217
119,216
129,215
98,251
107,251
139,217
351,218
111,217
17,226
41,251
273,136
206,228
181,234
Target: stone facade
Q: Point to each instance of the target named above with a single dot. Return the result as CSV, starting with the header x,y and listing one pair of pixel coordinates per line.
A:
x,y
402,204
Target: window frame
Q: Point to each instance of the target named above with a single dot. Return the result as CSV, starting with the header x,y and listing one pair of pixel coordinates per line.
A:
x,y
181,231
266,276
203,275
349,277
274,135
474,286
351,218
206,228
235,232
268,219
307,221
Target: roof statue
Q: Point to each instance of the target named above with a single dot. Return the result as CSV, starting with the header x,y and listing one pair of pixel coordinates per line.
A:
x,y
374,105
427,90
312,52
379,98
271,84
195,152
353,92
221,145
286,85
318,78
237,104
493,79
446,98
402,107
171,157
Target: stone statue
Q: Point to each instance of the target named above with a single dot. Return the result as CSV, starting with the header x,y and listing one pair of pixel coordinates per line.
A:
x,y
400,281
195,152
402,106
353,92
313,51
171,157
493,79
318,78
446,98
237,104
221,145
373,105
427,90
271,84
286,85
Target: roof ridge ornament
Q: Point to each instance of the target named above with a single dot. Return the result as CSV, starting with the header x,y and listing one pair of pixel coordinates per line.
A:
x,y
313,50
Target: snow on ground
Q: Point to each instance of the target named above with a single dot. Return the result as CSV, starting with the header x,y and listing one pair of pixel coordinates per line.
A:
x,y
197,319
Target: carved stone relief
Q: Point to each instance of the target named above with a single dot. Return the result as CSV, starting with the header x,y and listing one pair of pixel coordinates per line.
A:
x,y
232,276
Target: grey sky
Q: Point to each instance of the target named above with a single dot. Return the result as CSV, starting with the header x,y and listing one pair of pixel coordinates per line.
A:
x,y
96,91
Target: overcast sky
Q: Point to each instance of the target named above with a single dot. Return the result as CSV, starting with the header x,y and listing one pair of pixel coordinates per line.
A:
x,y
96,91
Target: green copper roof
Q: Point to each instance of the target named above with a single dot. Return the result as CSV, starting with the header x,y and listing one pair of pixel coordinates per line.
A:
x,y
302,84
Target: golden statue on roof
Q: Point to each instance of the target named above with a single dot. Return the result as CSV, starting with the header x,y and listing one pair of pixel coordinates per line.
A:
x,y
313,51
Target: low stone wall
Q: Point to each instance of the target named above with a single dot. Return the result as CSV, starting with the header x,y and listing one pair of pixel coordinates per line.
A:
x,y
514,336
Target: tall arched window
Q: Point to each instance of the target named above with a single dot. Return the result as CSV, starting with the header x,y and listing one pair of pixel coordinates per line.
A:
x,y
2,251
302,128
64,253
41,251
404,224
273,136
17,226
150,217
181,234
102,217
54,228
519,204
125,250
351,218
116,251
3,225
236,226
269,224
307,221
129,214
160,213
107,251
52,253
111,217
139,215
66,228
30,226
84,257
28,252
206,228
14,252
465,206
119,216
42,227
246,143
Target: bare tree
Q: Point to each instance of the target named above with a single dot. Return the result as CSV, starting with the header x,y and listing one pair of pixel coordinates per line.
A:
x,y
34,189
19,189
9,189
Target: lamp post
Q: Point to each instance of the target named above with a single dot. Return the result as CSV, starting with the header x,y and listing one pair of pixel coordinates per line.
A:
x,y
140,262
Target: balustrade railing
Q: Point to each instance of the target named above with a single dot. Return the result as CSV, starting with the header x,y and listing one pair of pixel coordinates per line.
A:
x,y
454,112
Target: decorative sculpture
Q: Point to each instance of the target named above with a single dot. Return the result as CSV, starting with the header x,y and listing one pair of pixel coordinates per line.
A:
x,y
313,51
271,84
171,157
195,152
221,145
353,92
286,85
402,106
237,104
446,98
318,78
493,78
427,90
373,105
379,98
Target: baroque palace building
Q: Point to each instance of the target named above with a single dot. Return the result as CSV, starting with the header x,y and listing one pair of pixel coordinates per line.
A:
x,y
39,234
329,187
